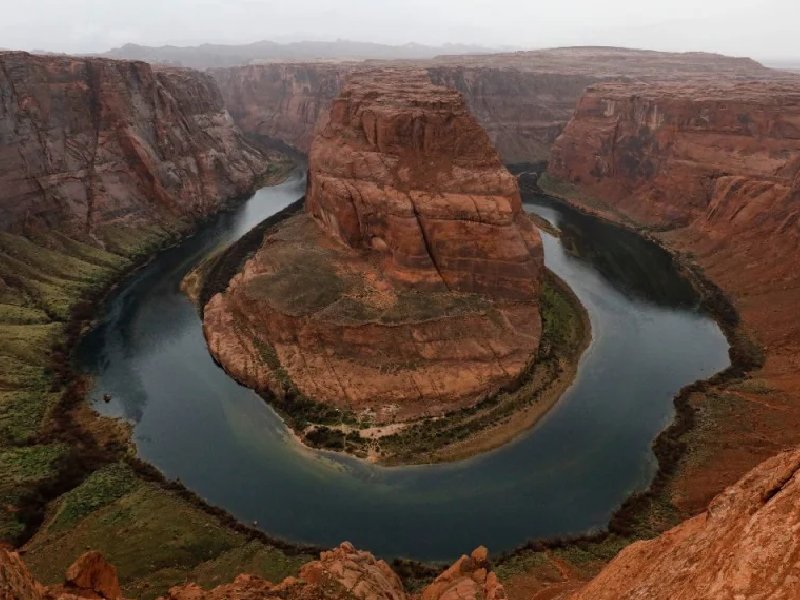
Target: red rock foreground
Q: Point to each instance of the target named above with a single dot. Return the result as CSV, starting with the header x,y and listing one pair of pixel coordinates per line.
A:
x,y
410,285
746,545
339,574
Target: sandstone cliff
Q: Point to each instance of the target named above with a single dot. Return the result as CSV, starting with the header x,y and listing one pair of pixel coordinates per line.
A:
x,y
401,167
410,285
746,545
281,102
90,143
343,573
716,166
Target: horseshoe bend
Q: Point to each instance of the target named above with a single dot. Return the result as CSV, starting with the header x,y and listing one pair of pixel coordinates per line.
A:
x,y
542,301
408,287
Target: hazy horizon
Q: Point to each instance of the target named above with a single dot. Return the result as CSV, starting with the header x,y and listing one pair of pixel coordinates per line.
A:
x,y
764,29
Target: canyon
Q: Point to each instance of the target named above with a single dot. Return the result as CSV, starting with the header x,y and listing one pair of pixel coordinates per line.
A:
x,y
102,161
409,287
523,100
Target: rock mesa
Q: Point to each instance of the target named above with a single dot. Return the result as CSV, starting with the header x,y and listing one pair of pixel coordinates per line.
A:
x,y
409,286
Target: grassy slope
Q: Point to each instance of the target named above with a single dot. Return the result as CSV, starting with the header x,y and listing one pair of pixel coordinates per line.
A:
x,y
155,536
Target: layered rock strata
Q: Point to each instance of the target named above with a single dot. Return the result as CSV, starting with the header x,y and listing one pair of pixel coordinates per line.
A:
x,y
409,287
715,170
90,143
281,101
522,99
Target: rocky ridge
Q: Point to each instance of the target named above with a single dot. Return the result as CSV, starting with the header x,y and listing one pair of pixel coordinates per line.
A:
x,y
745,545
425,271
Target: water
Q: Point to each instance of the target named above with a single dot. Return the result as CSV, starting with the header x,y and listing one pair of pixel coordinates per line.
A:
x,y
566,475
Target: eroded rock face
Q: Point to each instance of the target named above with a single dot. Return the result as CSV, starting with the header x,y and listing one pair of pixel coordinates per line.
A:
x,y
91,573
90,143
718,166
410,285
746,545
403,169
281,101
669,154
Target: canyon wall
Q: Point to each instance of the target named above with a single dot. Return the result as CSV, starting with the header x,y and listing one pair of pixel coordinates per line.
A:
x,y
90,143
713,170
410,285
281,101
523,99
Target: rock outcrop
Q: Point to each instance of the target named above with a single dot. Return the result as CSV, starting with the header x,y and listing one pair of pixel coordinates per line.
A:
x,y
410,285
343,573
87,144
746,545
714,168
90,577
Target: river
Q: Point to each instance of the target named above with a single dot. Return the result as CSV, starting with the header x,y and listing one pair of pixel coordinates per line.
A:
x,y
566,475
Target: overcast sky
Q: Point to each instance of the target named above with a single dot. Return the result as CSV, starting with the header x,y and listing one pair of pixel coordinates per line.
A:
x,y
758,28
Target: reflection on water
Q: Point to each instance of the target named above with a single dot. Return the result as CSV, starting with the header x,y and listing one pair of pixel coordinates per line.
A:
x,y
566,475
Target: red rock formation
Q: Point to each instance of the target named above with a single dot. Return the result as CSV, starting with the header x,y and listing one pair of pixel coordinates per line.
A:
x,y
90,577
85,143
401,167
91,573
413,290
719,165
469,578
746,545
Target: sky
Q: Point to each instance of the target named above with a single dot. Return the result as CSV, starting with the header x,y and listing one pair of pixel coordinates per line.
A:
x,y
756,28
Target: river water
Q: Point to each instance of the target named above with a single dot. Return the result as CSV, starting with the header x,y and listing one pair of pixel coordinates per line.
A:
x,y
566,475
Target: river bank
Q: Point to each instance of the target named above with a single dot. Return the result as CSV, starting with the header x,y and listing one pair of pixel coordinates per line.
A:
x,y
647,513
78,460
